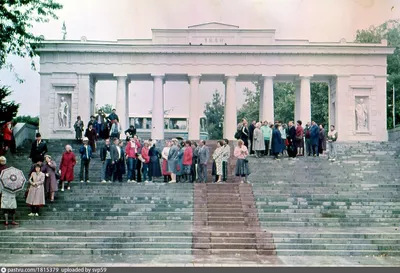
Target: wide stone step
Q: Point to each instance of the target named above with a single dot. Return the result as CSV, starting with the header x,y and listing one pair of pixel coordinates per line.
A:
x,y
97,252
327,220
87,239
266,224
93,233
344,253
323,241
326,246
119,223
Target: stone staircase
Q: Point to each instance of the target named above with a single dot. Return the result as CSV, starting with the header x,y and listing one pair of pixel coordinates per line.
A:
x,y
308,207
107,219
315,207
226,222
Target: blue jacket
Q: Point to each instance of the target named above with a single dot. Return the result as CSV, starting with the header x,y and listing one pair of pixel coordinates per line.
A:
x,y
277,142
314,135
83,152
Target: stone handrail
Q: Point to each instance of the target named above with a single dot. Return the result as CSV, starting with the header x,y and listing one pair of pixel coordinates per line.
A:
x,y
394,134
22,132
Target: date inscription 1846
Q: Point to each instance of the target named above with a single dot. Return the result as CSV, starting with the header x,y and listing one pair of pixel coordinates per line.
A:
x,y
214,40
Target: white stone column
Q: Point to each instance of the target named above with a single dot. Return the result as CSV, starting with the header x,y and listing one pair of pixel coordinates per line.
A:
x,y
157,131
121,100
344,110
127,102
297,107
84,98
48,108
267,99
262,106
93,82
194,107
230,116
305,99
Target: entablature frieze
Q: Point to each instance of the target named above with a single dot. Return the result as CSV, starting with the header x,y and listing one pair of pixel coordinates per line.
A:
x,y
91,48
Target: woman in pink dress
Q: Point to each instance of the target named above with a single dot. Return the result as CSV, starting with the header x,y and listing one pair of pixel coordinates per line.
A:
x,y
242,164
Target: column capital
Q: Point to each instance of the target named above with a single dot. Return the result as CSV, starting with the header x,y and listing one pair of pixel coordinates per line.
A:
x,y
119,75
194,76
267,76
158,75
231,76
305,77
84,75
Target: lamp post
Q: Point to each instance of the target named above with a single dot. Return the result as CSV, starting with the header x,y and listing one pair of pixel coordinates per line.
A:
x,y
394,104
394,108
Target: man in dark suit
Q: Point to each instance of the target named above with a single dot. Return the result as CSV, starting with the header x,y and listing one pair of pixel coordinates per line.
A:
x,y
86,154
314,137
113,116
38,150
130,133
292,140
116,154
252,127
204,155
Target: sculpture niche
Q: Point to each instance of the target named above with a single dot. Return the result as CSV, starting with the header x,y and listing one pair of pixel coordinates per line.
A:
x,y
63,113
361,116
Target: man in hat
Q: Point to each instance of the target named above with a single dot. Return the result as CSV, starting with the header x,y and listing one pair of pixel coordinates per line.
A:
x,y
38,150
8,200
86,154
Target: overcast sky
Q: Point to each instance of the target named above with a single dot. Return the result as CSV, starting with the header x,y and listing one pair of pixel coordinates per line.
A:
x,y
315,20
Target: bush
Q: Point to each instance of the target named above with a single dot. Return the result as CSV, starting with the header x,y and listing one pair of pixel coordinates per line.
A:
x,y
27,119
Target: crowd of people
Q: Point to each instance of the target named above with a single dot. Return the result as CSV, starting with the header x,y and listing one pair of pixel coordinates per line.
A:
x,y
292,140
135,160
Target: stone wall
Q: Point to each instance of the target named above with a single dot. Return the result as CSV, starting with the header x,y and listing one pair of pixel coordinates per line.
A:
x,y
23,132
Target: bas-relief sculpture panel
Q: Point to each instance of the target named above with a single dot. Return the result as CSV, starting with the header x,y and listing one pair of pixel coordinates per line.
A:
x,y
63,110
362,113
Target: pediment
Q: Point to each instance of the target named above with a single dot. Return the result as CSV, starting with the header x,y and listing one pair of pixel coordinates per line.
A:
x,y
213,25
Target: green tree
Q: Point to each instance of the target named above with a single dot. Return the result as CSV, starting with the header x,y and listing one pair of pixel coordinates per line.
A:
x,y
16,38
319,103
214,113
8,109
284,102
250,110
390,30
17,18
284,99
27,119
107,108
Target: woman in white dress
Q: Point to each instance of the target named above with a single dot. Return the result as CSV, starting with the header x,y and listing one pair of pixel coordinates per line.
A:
x,y
218,156
36,196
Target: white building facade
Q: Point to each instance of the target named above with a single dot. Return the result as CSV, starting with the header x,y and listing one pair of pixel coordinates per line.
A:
x,y
355,73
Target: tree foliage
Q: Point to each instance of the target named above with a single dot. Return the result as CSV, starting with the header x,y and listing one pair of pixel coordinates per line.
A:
x,y
17,18
284,100
250,110
8,109
16,38
284,103
107,108
214,112
27,119
320,103
390,30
